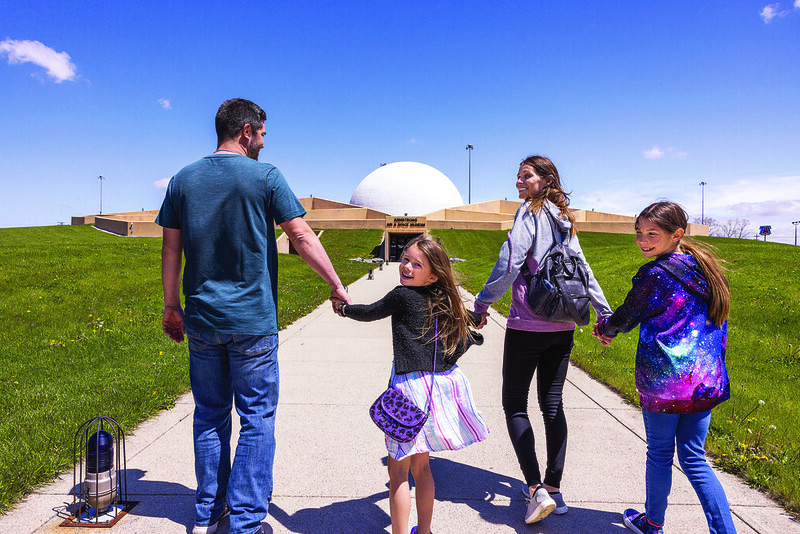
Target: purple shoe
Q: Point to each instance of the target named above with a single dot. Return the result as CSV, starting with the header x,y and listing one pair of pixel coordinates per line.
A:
x,y
638,523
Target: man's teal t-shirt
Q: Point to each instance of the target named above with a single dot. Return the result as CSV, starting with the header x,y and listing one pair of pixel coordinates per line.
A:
x,y
224,206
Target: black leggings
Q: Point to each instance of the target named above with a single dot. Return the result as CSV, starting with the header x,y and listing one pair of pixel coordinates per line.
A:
x,y
524,353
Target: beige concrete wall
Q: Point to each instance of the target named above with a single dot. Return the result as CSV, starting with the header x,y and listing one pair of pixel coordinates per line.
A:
x,y
128,228
341,214
482,216
617,227
492,206
329,214
599,216
469,225
133,215
347,224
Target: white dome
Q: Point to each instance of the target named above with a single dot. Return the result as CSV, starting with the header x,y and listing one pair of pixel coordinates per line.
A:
x,y
406,187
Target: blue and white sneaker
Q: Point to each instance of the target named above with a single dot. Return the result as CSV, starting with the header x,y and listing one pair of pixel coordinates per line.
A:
x,y
638,523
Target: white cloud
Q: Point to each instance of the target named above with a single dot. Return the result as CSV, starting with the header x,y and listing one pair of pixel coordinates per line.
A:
x,y
771,197
674,152
659,153
166,104
763,196
162,183
653,153
58,64
771,11
414,141
797,4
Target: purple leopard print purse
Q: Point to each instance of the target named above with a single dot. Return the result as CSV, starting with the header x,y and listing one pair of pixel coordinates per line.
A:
x,y
397,415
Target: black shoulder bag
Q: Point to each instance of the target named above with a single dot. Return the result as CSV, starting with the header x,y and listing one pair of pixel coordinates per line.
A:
x,y
559,291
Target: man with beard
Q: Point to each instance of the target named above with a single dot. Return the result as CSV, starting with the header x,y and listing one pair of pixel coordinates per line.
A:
x,y
218,212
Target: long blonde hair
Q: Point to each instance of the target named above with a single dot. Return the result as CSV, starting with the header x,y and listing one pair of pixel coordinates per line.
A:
x,y
670,217
553,191
446,304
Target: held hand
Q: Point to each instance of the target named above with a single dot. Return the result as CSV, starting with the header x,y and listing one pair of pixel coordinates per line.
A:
x,y
172,323
337,305
340,293
484,320
597,331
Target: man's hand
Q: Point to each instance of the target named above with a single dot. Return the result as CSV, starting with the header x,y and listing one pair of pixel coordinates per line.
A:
x,y
172,323
340,294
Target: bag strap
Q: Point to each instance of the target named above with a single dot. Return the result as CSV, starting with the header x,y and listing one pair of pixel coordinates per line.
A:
x,y
526,272
433,372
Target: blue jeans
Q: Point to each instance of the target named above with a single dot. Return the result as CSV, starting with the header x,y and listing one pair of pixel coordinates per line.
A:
x,y
226,369
689,432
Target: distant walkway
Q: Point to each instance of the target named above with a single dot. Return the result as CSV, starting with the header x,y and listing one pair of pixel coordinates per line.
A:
x,y
330,474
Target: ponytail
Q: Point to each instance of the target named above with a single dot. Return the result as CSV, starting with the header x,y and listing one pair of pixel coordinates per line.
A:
x,y
719,299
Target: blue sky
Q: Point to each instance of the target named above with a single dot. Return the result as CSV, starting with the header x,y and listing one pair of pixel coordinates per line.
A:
x,y
633,101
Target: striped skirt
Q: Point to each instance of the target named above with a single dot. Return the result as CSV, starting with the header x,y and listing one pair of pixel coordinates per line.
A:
x,y
454,421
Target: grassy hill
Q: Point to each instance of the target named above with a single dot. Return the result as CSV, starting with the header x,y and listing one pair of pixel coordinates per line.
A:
x,y
82,338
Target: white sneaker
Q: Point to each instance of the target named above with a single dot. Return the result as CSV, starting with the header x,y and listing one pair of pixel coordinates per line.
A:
x,y
212,527
539,506
561,507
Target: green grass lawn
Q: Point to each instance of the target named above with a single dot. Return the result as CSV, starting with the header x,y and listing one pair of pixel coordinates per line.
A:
x,y
755,434
82,337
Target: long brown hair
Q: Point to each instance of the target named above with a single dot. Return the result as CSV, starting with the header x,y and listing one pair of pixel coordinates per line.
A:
x,y
670,217
553,191
446,304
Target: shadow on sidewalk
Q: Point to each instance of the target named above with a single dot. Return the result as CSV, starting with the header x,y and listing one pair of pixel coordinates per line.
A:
x,y
355,515
147,493
496,498
480,489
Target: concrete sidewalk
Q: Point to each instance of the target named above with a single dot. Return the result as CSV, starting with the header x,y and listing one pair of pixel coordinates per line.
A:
x,y
330,474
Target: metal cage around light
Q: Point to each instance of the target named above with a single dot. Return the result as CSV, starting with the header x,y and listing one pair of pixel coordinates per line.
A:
x,y
100,488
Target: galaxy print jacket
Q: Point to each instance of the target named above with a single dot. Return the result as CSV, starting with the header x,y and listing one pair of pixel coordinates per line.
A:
x,y
680,360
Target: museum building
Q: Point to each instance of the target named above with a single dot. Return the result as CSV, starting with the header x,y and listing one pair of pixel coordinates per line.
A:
x,y
390,198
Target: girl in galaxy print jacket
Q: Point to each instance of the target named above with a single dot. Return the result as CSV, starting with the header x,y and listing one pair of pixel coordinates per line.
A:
x,y
681,300
680,359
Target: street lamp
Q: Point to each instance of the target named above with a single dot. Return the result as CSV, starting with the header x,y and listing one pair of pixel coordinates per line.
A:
x,y
101,192
702,202
469,183
795,223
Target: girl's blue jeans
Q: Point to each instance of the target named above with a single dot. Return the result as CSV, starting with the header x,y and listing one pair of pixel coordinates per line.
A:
x,y
688,431
225,370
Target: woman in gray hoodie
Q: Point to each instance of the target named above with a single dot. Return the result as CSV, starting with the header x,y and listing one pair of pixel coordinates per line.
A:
x,y
533,342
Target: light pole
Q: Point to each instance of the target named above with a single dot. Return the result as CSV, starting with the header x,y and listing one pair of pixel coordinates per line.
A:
x,y
795,223
101,192
469,183
702,202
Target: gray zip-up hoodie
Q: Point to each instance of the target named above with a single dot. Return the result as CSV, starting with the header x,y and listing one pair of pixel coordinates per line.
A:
x,y
530,239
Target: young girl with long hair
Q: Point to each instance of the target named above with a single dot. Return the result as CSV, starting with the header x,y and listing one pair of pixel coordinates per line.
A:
x,y
681,300
535,344
428,319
